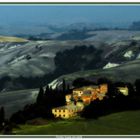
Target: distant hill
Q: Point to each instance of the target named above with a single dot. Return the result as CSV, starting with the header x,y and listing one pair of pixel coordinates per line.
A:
x,y
33,59
11,39
135,25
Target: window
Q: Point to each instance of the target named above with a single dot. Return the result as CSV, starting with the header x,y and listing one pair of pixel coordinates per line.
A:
x,y
58,115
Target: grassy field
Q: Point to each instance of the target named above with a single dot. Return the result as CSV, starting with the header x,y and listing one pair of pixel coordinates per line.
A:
x,y
11,39
122,123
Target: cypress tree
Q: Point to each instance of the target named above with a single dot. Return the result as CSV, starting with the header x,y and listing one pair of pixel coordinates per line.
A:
x,y
2,115
47,89
64,86
40,95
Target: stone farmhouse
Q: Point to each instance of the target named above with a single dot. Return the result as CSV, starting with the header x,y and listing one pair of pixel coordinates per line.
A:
x,y
80,97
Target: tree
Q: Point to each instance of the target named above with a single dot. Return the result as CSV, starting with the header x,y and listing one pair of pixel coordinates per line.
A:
x,y
2,116
64,86
103,80
131,91
47,89
40,95
79,82
137,85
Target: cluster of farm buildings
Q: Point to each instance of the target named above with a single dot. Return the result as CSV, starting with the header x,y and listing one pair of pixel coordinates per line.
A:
x,y
80,97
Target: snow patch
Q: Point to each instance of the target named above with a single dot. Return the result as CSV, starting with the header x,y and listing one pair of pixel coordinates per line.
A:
x,y
17,59
129,54
51,55
110,65
2,49
54,84
136,38
40,42
13,47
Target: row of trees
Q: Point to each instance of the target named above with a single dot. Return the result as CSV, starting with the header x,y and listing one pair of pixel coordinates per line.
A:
x,y
46,100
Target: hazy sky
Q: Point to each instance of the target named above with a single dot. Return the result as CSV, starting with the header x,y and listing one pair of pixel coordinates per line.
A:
x,y
68,14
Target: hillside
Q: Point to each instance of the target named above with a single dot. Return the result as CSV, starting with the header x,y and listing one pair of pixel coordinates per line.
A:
x,y
38,56
122,123
127,72
16,100
9,39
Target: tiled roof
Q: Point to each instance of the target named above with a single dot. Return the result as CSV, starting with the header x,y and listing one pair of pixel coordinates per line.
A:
x,y
86,88
66,107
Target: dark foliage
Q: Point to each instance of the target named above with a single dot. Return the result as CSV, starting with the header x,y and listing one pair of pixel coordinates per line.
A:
x,y
137,85
2,115
40,96
113,102
2,118
77,59
42,108
79,82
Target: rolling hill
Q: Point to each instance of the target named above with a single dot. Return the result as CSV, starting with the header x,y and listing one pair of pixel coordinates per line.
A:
x,y
127,72
9,39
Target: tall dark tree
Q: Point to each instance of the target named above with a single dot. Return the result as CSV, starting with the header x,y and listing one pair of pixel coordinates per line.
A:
x,y
47,89
131,91
64,86
2,115
137,85
40,95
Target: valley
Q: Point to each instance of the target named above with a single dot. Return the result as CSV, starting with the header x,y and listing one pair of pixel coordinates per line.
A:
x,y
31,59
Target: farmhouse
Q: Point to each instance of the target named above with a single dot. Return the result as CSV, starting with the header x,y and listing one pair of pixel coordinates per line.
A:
x,y
90,93
123,90
68,98
81,97
67,111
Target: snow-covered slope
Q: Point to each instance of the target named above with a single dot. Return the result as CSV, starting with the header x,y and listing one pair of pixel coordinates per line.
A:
x,y
36,58
110,65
